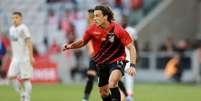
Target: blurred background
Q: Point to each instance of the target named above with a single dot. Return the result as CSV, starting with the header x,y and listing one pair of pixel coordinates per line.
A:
x,y
168,38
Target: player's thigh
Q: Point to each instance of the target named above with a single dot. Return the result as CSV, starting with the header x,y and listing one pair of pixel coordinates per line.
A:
x,y
26,70
116,72
114,78
14,70
118,65
115,75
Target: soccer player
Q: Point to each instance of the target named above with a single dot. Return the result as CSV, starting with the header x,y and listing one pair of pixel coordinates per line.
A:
x,y
129,80
22,57
92,70
109,40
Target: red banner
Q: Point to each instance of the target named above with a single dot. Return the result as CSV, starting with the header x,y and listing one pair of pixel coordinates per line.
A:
x,y
45,72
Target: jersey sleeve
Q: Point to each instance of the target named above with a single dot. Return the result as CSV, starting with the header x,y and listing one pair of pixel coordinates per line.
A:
x,y
26,33
87,35
123,35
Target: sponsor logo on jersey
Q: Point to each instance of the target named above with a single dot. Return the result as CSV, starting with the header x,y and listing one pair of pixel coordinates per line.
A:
x,y
111,37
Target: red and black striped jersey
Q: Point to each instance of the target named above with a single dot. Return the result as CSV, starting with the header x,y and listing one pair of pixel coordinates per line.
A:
x,y
109,44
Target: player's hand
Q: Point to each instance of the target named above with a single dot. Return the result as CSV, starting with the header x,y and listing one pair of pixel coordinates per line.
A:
x,y
131,71
66,47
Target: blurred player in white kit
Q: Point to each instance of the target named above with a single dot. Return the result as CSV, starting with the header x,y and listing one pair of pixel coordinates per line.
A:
x,y
22,57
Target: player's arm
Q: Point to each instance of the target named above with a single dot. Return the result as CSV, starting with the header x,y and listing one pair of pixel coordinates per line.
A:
x,y
30,48
78,44
132,52
128,43
27,38
75,45
133,57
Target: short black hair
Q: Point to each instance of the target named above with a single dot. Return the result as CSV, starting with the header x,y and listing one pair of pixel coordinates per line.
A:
x,y
106,10
90,10
17,13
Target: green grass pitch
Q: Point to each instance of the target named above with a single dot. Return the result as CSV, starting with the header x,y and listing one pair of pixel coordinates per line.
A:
x,y
143,92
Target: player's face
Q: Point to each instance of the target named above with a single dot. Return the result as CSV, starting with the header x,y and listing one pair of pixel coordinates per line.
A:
x,y
99,18
90,17
16,19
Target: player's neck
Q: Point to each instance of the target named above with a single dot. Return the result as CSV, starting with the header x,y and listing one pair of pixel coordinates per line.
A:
x,y
16,25
105,25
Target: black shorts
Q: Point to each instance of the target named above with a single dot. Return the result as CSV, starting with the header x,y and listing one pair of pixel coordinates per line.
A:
x,y
105,70
92,66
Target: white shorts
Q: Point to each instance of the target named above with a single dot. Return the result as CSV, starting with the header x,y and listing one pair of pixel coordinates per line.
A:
x,y
23,70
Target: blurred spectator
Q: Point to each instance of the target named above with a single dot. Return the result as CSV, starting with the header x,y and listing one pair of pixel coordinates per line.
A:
x,y
118,4
79,22
118,16
173,69
147,46
66,26
52,26
148,5
136,4
5,40
136,13
4,48
199,51
2,54
196,43
183,45
54,48
196,62
65,23
71,35
167,46
199,59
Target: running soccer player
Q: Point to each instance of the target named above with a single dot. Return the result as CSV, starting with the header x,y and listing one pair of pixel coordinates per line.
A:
x,y
22,57
109,40
92,70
